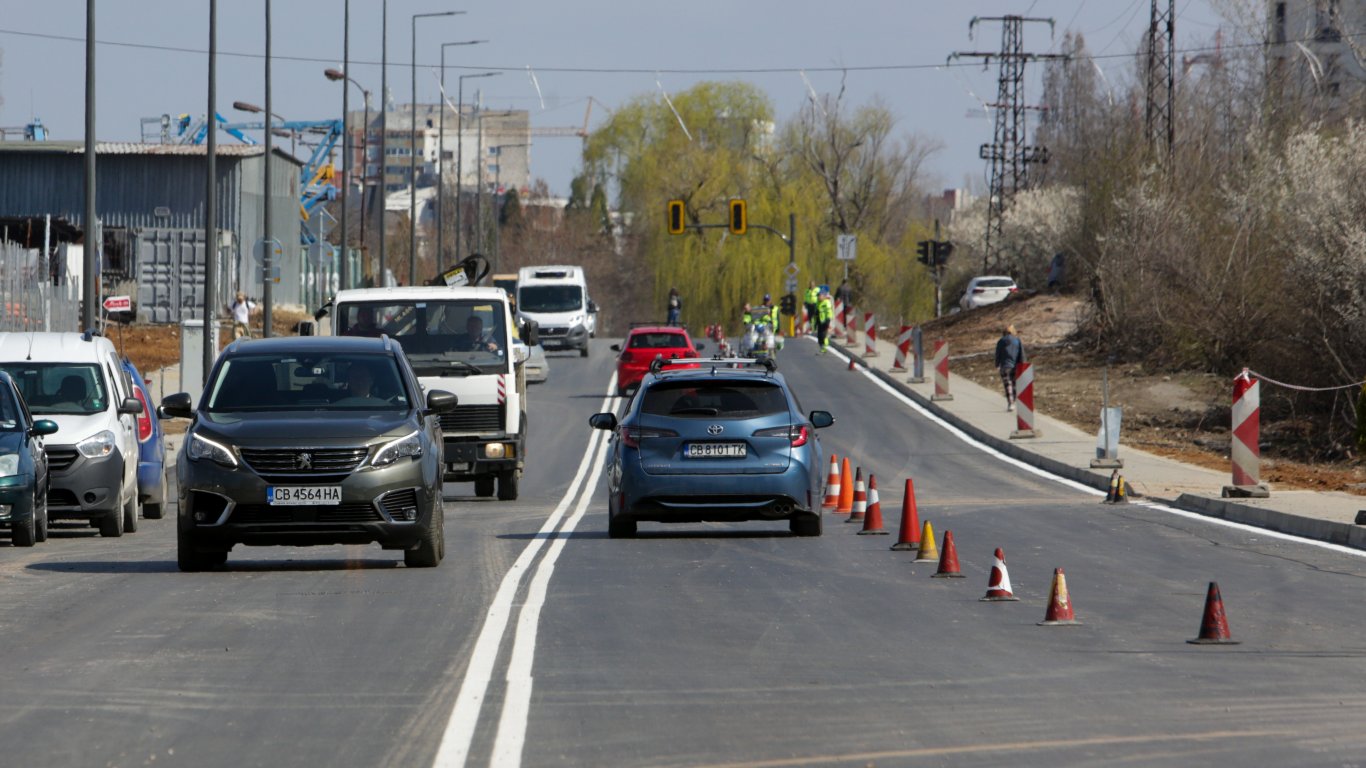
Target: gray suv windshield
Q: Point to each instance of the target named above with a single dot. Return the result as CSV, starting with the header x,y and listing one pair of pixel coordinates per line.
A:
x,y
350,382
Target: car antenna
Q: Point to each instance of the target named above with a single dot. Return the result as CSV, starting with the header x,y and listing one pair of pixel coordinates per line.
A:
x,y
29,355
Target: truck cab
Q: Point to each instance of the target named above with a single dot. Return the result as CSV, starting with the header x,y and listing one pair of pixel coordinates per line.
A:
x,y
461,340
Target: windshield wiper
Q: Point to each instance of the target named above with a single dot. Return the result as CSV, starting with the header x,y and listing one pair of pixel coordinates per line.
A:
x,y
459,365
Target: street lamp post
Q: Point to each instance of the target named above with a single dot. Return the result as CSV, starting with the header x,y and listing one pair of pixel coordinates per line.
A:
x,y
412,155
441,160
267,248
344,267
336,75
211,199
459,152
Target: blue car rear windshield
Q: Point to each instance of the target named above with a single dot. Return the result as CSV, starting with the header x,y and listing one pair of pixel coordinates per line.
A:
x,y
713,399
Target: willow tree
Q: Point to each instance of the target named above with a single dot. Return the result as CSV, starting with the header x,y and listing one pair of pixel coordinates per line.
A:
x,y
700,146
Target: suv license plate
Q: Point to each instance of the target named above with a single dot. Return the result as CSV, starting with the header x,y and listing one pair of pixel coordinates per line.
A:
x,y
714,451
287,495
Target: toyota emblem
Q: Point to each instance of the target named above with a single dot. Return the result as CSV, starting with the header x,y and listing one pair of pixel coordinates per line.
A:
x,y
305,461
715,429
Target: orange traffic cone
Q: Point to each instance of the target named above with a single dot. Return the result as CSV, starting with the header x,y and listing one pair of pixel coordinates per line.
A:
x,y
929,553
846,504
872,521
1059,603
851,362
1214,626
948,560
909,536
860,507
832,485
998,585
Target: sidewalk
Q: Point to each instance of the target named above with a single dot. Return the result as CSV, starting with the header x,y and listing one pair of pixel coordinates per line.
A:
x,y
1066,451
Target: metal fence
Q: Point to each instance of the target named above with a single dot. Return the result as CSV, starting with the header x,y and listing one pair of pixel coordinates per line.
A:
x,y
28,299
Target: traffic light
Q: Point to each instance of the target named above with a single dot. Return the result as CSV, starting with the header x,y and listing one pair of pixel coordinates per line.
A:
x,y
739,219
923,248
676,224
943,249
788,304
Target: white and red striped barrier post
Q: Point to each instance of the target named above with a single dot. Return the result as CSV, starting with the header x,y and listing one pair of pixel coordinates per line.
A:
x,y
918,354
903,347
1024,402
941,371
869,335
851,327
837,321
1247,432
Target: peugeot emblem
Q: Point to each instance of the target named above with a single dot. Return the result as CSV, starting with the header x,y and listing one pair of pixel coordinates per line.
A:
x,y
715,429
305,461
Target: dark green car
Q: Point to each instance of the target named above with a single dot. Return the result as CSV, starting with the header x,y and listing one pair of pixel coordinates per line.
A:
x,y
23,468
310,440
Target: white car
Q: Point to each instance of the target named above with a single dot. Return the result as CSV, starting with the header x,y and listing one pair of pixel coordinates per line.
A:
x,y
989,289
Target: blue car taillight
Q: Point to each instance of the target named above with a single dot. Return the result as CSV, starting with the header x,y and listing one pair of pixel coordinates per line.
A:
x,y
632,436
796,433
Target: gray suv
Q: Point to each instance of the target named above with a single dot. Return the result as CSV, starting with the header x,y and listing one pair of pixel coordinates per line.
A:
x,y
310,440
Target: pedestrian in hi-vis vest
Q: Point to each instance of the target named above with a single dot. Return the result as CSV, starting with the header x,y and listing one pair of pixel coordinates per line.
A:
x,y
1009,354
810,300
825,311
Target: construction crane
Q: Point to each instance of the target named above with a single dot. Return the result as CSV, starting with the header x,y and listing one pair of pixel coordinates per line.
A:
x,y
316,176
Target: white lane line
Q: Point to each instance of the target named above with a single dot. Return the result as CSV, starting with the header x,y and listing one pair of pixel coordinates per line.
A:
x,y
512,727
1156,505
455,742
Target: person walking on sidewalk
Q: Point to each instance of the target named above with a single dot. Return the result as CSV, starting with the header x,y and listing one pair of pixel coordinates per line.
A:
x,y
1009,354
675,307
241,308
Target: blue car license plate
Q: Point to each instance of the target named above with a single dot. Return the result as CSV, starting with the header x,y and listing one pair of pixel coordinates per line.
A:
x,y
714,451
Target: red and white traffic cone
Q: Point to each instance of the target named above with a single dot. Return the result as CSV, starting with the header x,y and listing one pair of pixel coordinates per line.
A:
x,y
872,521
998,584
1060,611
860,508
1214,624
903,349
832,485
908,539
1245,449
948,560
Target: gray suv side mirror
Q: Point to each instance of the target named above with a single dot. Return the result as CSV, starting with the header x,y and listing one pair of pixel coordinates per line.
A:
x,y
821,419
603,421
177,406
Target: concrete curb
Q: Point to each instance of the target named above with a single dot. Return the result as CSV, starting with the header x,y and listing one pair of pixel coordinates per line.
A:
x,y
1344,534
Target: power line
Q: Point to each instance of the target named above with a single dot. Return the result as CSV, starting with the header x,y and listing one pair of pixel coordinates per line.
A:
x,y
630,70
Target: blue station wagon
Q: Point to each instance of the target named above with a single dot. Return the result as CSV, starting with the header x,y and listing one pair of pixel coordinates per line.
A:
x,y
723,442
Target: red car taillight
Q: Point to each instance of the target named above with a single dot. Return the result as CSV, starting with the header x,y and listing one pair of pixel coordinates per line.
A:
x,y
797,434
144,418
632,436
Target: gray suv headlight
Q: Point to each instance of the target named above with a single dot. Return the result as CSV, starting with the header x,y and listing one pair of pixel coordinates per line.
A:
x,y
197,448
408,445
97,445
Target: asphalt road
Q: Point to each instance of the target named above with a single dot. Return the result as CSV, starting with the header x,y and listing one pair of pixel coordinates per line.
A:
x,y
540,642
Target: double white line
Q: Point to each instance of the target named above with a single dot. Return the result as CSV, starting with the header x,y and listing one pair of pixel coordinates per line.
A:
x,y
469,703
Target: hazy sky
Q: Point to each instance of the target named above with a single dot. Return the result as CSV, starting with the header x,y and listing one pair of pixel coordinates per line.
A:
x,y
43,66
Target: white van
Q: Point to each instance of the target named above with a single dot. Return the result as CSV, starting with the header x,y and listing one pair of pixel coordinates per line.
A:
x,y
556,297
76,380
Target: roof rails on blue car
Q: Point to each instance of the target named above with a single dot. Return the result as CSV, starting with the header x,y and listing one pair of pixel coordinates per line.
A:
x,y
763,361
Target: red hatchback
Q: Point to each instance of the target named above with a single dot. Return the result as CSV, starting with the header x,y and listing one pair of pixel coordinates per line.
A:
x,y
645,343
